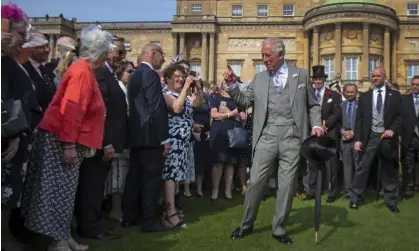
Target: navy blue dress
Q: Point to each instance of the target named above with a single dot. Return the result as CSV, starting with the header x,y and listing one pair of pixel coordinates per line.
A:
x,y
219,138
201,115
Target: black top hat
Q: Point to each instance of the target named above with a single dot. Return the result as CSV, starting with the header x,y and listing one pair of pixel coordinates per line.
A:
x,y
318,71
318,149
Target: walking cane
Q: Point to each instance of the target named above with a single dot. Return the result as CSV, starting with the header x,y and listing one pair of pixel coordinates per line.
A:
x,y
318,202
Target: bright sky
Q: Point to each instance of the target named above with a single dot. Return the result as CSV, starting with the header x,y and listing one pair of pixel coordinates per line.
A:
x,y
101,10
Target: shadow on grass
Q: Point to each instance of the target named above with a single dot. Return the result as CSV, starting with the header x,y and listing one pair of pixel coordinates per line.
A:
x,y
302,219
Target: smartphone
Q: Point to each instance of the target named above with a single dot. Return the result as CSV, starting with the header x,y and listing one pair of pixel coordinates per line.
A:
x,y
5,25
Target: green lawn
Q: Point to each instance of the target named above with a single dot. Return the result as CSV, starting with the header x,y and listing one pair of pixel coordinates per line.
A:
x,y
211,223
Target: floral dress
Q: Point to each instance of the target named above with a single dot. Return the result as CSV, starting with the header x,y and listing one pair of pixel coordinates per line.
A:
x,y
180,128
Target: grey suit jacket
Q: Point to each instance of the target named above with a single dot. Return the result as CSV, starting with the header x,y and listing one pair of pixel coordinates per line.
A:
x,y
305,109
344,106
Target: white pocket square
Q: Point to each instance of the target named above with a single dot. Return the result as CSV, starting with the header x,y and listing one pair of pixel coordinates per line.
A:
x,y
329,100
301,86
295,75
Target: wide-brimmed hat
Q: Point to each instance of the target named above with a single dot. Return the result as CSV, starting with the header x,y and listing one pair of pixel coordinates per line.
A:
x,y
318,71
318,149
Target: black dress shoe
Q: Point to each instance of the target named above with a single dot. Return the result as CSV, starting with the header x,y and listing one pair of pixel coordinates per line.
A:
x,y
156,228
330,200
393,208
239,233
309,197
127,224
285,239
353,205
109,235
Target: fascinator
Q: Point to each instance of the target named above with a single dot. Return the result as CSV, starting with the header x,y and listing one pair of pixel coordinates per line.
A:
x,y
93,34
178,58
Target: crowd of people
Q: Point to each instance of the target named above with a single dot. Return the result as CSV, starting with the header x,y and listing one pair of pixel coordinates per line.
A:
x,y
97,127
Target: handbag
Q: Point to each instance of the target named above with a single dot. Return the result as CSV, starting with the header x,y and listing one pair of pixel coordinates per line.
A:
x,y
238,137
13,119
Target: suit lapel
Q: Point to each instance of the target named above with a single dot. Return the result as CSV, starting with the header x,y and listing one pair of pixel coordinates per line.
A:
x,y
387,102
266,81
344,115
411,104
292,83
369,107
325,97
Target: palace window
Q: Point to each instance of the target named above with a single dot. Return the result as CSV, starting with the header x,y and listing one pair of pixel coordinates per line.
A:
x,y
158,43
260,67
372,64
412,70
351,68
412,9
127,45
196,7
236,67
263,10
288,10
329,68
237,10
196,67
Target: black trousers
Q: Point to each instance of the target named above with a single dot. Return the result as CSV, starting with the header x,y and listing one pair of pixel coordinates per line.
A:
x,y
410,166
331,167
388,171
90,194
143,185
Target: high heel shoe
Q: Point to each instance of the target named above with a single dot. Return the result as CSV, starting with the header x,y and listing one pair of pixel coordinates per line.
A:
x,y
76,246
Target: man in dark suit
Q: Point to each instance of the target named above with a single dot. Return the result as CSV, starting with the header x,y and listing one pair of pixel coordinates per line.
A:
x,y
410,139
94,170
377,125
148,125
348,111
330,114
41,77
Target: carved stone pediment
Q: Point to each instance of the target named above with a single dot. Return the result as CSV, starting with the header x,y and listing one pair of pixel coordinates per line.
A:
x,y
254,44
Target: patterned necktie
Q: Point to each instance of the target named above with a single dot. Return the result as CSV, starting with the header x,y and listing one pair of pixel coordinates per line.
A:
x,y
417,104
278,83
349,115
318,96
379,104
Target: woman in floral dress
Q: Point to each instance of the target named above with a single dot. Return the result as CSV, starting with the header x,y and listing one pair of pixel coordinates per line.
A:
x,y
179,104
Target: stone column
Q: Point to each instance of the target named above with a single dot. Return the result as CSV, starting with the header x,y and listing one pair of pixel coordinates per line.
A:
x,y
182,42
365,52
387,51
211,67
394,58
204,57
315,45
307,51
52,46
174,44
338,50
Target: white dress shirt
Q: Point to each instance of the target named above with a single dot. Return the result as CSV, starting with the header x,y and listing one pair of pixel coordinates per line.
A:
x,y
375,95
36,65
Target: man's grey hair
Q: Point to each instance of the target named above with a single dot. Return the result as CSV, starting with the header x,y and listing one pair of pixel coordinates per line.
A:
x,y
278,45
147,48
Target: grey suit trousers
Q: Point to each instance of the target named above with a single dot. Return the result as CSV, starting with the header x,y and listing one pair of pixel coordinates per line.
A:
x,y
279,144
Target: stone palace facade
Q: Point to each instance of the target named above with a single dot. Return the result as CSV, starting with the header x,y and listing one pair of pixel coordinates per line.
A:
x,y
349,37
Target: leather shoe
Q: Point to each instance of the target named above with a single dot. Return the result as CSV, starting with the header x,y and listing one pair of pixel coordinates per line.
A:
x,y
393,208
239,233
156,228
309,197
128,224
330,200
353,205
285,239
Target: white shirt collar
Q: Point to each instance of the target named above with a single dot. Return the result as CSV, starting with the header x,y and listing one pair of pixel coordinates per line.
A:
x,y
36,65
149,65
281,70
108,66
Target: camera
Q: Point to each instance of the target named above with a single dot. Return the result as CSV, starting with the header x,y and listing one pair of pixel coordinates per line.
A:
x,y
193,74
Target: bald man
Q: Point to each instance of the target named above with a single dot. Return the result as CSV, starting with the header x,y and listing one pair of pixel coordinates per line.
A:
x,y
148,133
377,127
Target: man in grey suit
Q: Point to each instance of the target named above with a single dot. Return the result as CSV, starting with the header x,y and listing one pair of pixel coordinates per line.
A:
x,y
349,155
285,111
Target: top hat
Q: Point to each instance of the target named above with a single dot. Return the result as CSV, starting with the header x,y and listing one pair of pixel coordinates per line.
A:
x,y
318,71
318,149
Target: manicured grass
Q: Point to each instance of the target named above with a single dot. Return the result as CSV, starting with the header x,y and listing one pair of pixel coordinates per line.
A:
x,y
211,223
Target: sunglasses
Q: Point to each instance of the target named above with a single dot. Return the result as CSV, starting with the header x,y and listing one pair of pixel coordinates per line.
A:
x,y
129,71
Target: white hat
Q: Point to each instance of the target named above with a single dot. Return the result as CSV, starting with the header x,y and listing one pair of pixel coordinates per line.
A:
x,y
35,39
